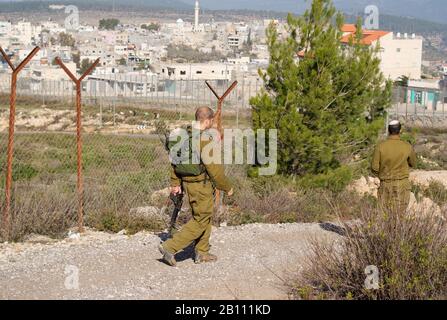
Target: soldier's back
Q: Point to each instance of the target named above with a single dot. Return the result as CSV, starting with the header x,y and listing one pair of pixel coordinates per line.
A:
x,y
394,159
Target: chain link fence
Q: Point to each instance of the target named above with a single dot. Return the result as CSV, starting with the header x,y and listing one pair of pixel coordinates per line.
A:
x,y
131,90
125,163
420,106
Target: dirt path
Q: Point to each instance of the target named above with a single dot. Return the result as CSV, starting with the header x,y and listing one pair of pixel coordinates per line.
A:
x,y
252,259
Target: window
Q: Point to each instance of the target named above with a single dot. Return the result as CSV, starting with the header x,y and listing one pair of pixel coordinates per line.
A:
x,y
398,49
182,73
418,97
198,72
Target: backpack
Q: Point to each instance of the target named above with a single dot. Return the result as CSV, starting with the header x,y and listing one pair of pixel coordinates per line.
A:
x,y
185,155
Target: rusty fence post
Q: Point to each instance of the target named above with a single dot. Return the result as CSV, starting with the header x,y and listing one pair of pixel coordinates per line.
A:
x,y
219,126
10,149
80,184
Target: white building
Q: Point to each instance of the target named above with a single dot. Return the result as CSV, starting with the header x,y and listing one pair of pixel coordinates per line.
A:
x,y
401,55
5,28
196,71
50,72
110,82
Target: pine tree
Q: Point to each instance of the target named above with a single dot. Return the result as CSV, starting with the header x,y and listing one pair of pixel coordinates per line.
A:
x,y
329,106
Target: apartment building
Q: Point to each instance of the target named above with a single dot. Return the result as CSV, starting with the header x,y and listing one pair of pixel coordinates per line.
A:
x,y
196,71
400,54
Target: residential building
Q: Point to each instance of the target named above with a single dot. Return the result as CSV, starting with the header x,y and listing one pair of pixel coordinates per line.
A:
x,y
400,55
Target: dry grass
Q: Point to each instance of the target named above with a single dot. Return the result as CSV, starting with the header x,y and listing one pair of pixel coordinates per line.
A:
x,y
280,200
409,252
40,212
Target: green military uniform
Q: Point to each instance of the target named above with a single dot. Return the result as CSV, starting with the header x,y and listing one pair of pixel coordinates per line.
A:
x,y
200,190
391,163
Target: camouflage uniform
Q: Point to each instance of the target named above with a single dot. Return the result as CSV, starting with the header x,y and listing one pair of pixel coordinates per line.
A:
x,y
391,162
200,190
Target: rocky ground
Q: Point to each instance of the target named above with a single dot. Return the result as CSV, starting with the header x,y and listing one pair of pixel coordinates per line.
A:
x,y
423,205
254,261
50,120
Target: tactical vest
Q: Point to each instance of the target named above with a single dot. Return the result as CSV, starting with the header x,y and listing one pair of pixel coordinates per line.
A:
x,y
184,166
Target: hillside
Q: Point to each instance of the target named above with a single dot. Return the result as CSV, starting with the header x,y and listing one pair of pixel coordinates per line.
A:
x,y
432,10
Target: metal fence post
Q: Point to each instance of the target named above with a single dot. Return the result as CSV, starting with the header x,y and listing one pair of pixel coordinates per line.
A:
x,y
10,150
80,186
218,118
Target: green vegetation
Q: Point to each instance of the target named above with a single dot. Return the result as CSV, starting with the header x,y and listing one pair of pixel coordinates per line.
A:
x,y
435,191
120,173
151,27
108,24
122,62
66,40
409,252
77,59
85,64
281,200
430,147
328,108
185,53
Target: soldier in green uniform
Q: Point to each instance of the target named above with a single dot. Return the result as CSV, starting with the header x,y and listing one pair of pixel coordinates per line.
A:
x,y
391,163
200,190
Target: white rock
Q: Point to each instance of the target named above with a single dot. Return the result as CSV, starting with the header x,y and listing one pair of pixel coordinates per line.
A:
x,y
365,186
160,195
424,178
36,238
152,213
74,235
424,207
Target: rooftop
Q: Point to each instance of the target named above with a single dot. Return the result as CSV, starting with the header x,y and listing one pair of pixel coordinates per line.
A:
x,y
368,36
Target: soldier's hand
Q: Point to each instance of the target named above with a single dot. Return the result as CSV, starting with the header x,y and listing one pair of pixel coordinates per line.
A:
x,y
176,190
230,193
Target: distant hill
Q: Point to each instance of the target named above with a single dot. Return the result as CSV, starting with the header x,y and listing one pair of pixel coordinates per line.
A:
x,y
432,10
27,5
387,22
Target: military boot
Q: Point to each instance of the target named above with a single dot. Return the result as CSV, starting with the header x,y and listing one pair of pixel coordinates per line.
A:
x,y
204,258
168,257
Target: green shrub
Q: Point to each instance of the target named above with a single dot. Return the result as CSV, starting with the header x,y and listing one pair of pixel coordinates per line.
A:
x,y
114,221
437,192
410,253
335,180
410,136
327,116
23,172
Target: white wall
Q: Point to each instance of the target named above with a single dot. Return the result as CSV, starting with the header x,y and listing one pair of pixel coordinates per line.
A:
x,y
401,56
201,71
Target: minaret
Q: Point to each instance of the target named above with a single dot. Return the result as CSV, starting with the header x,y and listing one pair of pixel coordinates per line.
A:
x,y
196,19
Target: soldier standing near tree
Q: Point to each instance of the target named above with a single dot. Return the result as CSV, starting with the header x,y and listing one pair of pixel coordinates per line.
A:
x,y
391,163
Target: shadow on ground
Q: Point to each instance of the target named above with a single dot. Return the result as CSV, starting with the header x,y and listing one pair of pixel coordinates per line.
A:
x,y
327,226
185,254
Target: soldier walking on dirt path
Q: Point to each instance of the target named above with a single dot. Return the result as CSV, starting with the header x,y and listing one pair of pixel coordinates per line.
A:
x,y
199,181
